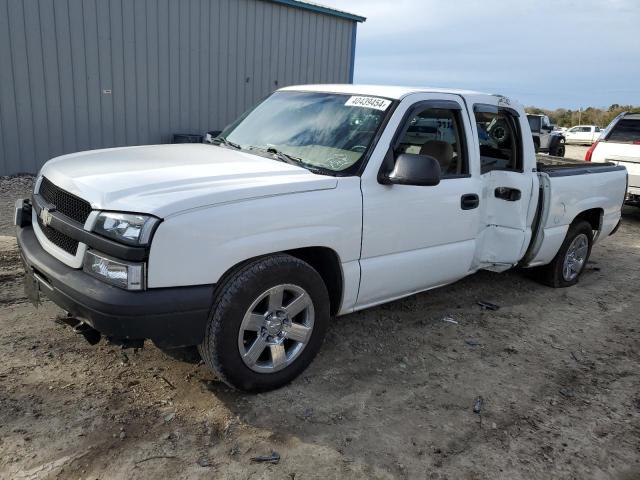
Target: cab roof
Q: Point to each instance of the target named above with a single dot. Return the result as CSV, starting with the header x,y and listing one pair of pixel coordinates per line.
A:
x,y
387,91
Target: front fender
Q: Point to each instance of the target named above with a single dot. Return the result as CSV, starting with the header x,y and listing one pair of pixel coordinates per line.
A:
x,y
197,247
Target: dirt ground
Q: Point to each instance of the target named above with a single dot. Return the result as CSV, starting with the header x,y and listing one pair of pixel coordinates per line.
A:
x,y
391,394
576,152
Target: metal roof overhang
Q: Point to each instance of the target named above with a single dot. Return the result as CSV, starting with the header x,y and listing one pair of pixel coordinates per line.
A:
x,y
313,7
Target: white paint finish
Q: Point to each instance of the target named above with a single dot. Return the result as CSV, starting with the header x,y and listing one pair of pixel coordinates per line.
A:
x,y
582,134
568,198
386,91
507,224
198,246
399,274
552,239
351,284
73,261
625,154
407,224
165,179
221,207
403,224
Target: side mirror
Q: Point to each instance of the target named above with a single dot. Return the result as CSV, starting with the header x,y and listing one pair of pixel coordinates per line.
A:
x,y
411,169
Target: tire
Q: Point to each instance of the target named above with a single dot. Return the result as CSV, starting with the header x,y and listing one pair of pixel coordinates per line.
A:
x,y
554,274
243,321
559,150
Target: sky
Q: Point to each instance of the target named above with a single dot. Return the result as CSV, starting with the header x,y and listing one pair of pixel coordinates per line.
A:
x,y
550,54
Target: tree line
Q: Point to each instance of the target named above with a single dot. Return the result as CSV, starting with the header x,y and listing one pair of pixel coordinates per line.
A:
x,y
589,116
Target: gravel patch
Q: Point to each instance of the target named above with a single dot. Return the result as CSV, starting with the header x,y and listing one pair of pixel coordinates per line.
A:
x,y
12,188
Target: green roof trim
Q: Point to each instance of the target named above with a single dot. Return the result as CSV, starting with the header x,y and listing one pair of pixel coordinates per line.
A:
x,y
312,7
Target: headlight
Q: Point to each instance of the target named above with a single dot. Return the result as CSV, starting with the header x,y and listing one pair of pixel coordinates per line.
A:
x,y
129,276
129,228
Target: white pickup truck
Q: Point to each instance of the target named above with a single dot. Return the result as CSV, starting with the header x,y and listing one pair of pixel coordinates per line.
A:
x,y
320,201
582,134
620,144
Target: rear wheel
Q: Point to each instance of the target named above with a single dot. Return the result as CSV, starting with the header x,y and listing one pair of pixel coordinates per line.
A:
x,y
565,269
267,323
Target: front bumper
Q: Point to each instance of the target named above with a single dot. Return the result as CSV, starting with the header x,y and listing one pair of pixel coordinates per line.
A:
x,y
170,317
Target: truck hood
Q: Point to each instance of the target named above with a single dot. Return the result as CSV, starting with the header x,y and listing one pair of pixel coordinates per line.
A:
x,y
166,179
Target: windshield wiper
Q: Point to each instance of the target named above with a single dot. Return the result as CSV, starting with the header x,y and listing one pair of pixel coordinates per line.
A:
x,y
285,157
226,143
290,159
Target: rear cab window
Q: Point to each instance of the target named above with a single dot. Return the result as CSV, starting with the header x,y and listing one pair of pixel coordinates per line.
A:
x,y
499,139
627,130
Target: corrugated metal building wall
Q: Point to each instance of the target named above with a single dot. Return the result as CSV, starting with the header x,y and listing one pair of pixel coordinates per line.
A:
x,y
84,74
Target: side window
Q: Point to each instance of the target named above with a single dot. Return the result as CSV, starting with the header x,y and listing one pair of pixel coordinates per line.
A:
x,y
438,133
574,129
498,138
585,129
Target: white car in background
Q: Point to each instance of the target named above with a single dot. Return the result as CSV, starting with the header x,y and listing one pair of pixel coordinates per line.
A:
x,y
582,134
620,144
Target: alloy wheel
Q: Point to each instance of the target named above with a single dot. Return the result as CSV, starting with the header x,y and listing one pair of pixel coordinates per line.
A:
x,y
276,328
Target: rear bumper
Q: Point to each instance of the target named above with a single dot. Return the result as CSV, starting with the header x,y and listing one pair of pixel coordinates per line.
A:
x,y
171,317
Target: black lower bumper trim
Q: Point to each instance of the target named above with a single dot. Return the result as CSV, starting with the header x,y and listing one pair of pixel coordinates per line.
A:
x,y
171,317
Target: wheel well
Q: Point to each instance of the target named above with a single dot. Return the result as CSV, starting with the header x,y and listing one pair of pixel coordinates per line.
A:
x,y
593,216
327,264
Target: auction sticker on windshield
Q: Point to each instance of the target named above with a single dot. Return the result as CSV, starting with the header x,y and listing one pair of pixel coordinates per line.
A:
x,y
368,102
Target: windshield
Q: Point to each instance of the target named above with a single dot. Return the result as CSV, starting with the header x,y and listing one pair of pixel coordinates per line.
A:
x,y
323,130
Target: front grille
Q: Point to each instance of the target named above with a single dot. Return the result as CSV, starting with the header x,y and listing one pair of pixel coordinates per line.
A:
x,y
65,202
59,239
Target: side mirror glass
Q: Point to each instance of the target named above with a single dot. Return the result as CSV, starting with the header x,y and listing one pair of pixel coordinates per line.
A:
x,y
411,169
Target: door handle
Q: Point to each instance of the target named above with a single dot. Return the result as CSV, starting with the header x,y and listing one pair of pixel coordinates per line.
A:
x,y
509,194
469,201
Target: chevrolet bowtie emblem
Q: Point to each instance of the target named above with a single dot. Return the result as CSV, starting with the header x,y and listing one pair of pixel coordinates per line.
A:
x,y
45,216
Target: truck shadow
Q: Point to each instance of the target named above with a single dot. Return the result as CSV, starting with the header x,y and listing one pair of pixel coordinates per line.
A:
x,y
631,214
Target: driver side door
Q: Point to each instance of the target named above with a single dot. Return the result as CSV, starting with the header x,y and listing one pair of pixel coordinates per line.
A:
x,y
419,237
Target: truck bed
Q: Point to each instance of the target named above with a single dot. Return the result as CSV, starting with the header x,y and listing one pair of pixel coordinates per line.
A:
x,y
562,199
564,167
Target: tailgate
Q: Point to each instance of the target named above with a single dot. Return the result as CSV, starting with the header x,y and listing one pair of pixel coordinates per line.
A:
x,y
633,167
632,164
623,154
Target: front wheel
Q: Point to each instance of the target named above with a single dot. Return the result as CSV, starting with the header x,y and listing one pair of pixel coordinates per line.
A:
x,y
566,267
267,323
559,150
